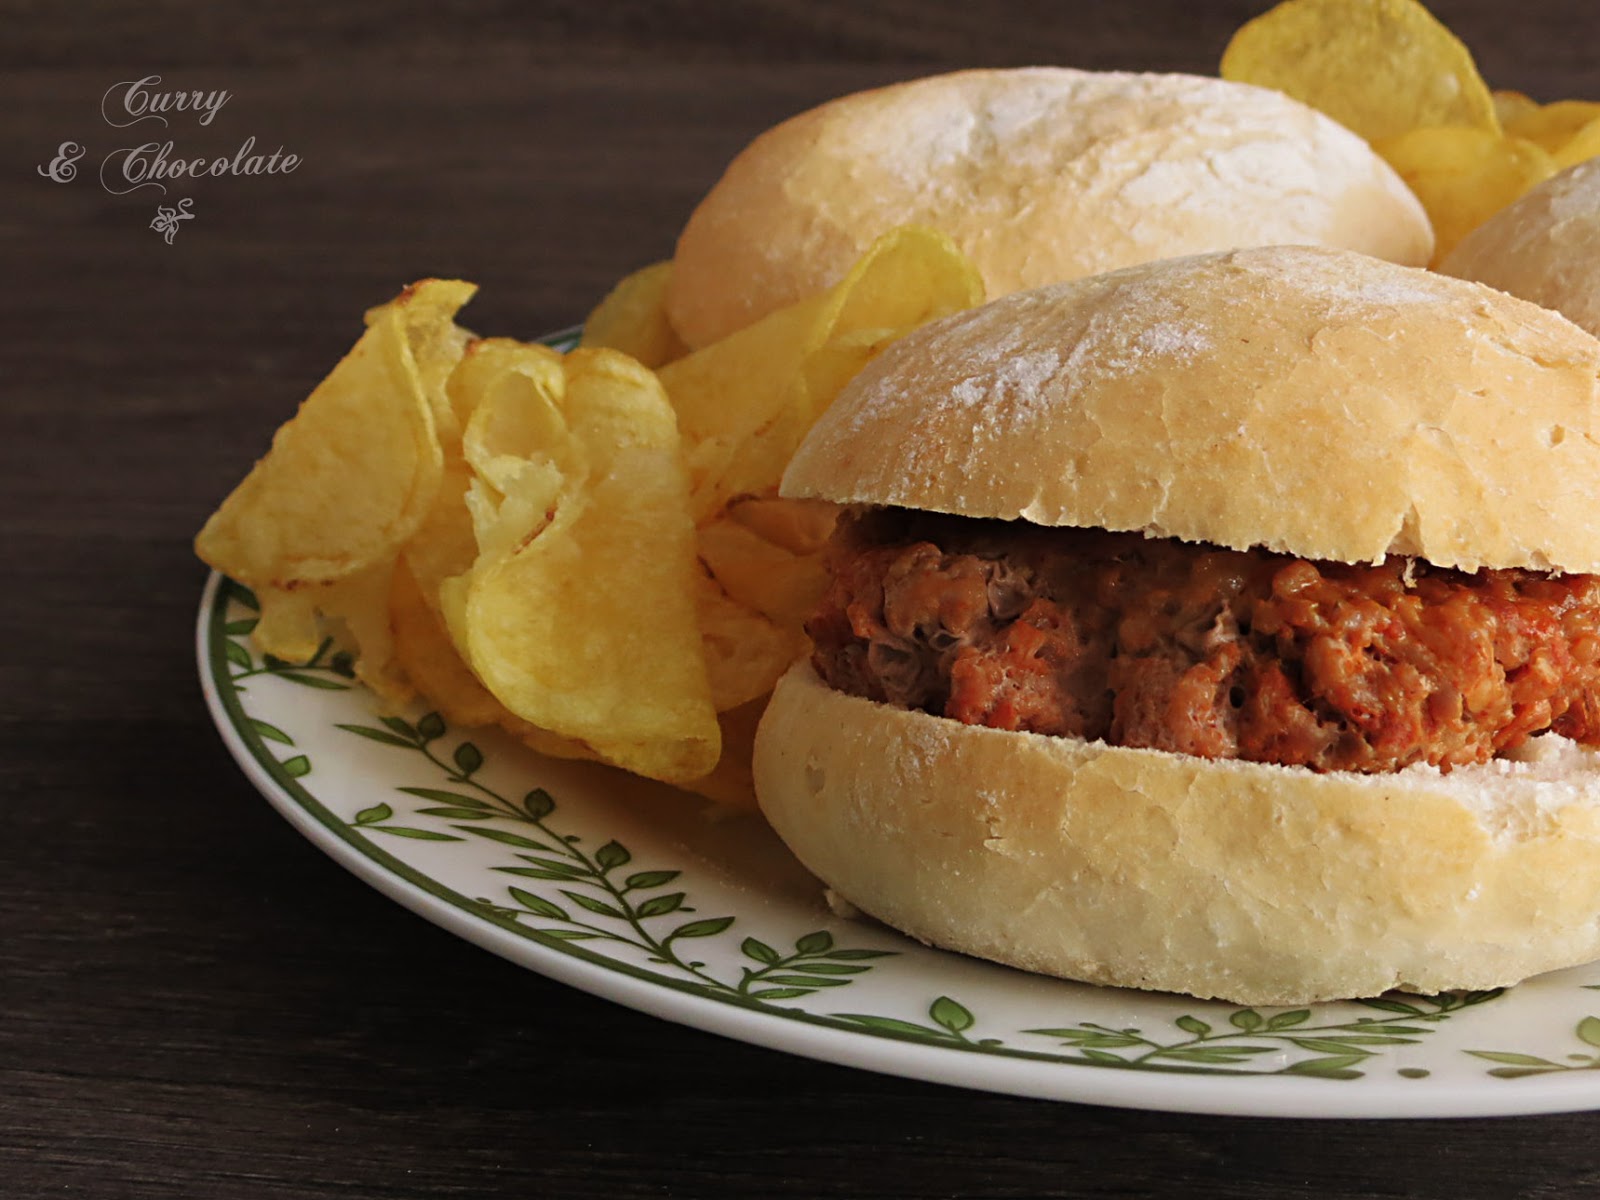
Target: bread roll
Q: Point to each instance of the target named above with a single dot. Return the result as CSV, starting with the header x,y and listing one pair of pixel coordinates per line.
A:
x,y
1243,881
1313,401
1039,175
1544,248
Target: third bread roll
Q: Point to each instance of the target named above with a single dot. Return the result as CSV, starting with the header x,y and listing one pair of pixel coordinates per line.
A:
x,y
1544,248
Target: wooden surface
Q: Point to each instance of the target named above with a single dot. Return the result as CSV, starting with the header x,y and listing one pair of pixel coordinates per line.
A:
x,y
194,1002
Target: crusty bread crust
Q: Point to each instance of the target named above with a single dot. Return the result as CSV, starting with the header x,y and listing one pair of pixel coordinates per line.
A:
x,y
1544,248
1039,175
1254,883
1311,401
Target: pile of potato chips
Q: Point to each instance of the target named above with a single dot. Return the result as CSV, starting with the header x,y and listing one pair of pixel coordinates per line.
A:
x,y
578,548
588,550
1392,73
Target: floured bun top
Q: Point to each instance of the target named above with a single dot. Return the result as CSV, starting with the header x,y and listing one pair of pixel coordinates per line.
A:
x,y
1311,401
1544,248
1039,175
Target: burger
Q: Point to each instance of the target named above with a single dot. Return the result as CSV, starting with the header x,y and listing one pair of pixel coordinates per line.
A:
x,y
1226,625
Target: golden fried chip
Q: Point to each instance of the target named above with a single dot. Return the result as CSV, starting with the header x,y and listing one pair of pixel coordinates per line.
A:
x,y
352,475
1511,106
1553,126
579,617
424,649
633,319
733,393
907,278
1464,176
744,652
438,347
799,526
311,622
444,544
763,558
428,656
498,362
744,403
288,626
357,612
1581,147
549,744
1379,67
733,783
760,575
516,442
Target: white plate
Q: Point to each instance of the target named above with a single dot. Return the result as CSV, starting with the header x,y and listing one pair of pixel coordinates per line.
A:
x,y
637,893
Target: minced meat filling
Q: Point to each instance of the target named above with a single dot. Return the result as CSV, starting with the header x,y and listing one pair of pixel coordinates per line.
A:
x,y
1212,652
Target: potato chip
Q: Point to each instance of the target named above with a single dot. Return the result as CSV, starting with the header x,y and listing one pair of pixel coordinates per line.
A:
x,y
424,649
744,403
732,783
513,429
356,612
579,615
549,744
287,627
730,394
633,319
1510,106
907,278
444,544
760,575
1568,130
516,441
744,652
302,625
438,346
317,525
1379,67
1553,126
427,655
799,526
763,558
350,477
1581,147
1464,176
764,575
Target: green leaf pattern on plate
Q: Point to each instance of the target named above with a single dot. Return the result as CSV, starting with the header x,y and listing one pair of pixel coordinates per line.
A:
x,y
1324,1049
599,901
327,669
593,899
1519,1066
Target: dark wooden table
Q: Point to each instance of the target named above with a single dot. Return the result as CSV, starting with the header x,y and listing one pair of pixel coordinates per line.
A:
x,y
194,1002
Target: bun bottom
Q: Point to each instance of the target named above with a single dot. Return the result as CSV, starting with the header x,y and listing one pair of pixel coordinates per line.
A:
x,y
1258,884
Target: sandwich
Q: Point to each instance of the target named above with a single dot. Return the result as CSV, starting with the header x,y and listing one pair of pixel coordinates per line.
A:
x,y
1038,175
1226,625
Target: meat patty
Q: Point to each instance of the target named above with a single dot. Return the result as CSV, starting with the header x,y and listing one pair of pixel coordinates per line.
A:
x,y
1217,653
